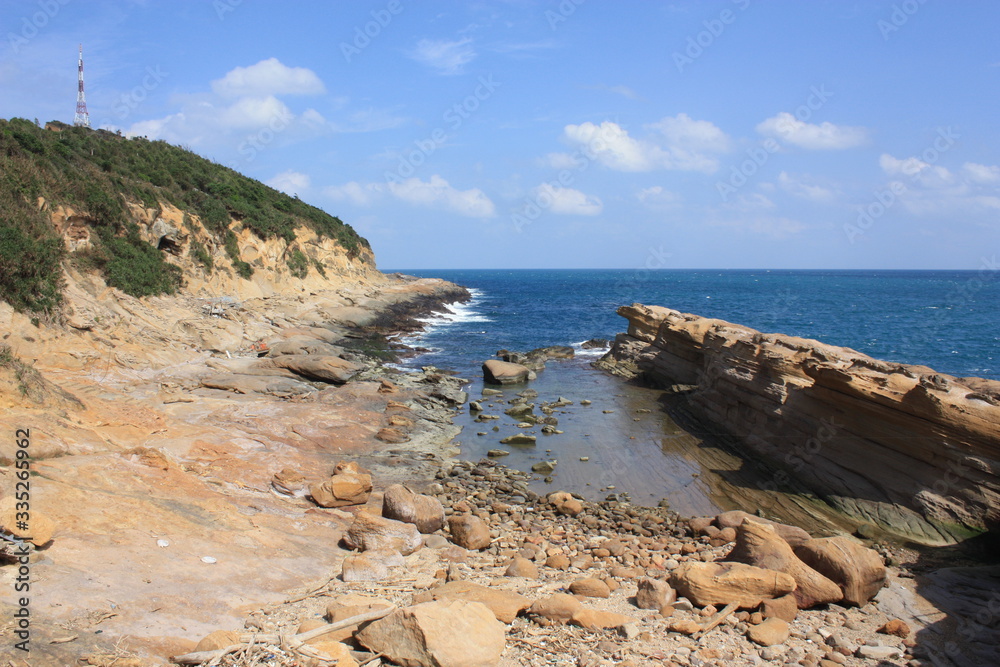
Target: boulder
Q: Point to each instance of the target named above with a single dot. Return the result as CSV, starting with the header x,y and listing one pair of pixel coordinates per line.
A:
x,y
290,482
370,532
324,368
654,594
469,532
770,632
565,503
590,588
218,640
725,583
342,490
258,384
759,544
360,567
505,605
519,439
522,567
557,608
502,372
451,633
856,569
303,345
544,467
594,619
40,527
402,504
791,534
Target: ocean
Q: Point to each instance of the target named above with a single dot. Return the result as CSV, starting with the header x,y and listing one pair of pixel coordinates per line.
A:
x,y
623,441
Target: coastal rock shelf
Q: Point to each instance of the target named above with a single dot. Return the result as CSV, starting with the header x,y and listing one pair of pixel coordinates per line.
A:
x,y
910,450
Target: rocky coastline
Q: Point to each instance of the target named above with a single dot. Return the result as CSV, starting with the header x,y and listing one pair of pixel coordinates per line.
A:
x,y
912,452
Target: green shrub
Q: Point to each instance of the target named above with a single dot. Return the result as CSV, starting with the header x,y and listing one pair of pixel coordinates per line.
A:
x,y
202,256
298,263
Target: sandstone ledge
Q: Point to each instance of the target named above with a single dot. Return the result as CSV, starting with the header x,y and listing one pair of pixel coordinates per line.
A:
x,y
913,451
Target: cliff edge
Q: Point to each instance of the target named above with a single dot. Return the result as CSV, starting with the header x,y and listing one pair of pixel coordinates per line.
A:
x,y
910,450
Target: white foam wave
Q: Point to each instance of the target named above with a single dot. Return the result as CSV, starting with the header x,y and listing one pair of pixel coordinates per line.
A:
x,y
582,351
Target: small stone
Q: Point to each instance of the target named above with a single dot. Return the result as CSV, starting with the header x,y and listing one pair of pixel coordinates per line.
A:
x,y
770,632
591,588
522,567
497,453
469,532
654,594
879,652
896,627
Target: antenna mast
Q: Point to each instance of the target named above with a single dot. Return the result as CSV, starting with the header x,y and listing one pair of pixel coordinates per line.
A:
x,y
82,118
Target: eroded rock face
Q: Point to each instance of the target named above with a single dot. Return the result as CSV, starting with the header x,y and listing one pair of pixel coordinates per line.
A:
x,y
831,416
402,504
450,633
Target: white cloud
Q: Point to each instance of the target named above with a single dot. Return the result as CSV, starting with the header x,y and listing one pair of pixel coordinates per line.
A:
x,y
444,56
825,136
268,77
567,201
679,143
290,182
254,112
981,173
926,174
435,193
799,188
656,197
438,193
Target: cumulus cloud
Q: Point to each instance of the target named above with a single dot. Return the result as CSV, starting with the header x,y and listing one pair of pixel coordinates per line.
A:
x,y
656,197
268,77
567,201
678,143
434,193
445,56
290,182
981,173
931,189
914,168
825,136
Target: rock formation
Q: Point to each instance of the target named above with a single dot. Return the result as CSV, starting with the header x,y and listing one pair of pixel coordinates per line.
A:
x,y
912,451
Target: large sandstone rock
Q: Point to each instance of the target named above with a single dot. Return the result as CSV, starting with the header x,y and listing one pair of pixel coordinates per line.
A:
x,y
349,606
325,368
901,443
469,532
557,608
303,345
725,583
402,504
760,545
258,384
502,372
361,567
442,633
735,518
505,605
369,532
856,569
342,490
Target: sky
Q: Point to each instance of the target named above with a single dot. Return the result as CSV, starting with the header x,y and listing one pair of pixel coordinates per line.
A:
x,y
564,134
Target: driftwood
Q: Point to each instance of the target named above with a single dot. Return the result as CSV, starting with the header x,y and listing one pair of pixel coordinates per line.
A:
x,y
291,642
715,620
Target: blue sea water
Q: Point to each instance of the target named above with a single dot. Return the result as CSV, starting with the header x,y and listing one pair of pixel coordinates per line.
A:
x,y
948,320
620,439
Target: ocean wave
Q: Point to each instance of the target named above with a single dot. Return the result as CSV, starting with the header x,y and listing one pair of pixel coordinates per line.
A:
x,y
582,351
458,313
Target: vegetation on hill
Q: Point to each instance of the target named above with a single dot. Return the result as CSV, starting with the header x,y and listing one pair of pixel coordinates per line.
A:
x,y
97,172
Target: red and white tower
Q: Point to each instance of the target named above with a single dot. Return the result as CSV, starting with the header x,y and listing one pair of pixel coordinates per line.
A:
x,y
82,118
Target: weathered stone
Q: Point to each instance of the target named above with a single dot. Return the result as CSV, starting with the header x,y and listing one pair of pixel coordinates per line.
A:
x,y
724,583
856,569
469,532
786,608
392,435
654,594
505,605
544,467
760,545
370,532
557,608
40,527
348,606
290,482
280,387
770,632
522,567
337,654
519,439
342,490
595,619
402,504
325,368
896,627
442,633
590,588
217,640
360,567
735,518
502,372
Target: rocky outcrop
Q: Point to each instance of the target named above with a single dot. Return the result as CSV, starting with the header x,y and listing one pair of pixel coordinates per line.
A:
x,y
912,451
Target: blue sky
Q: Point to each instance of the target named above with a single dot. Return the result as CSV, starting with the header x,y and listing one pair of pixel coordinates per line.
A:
x,y
730,134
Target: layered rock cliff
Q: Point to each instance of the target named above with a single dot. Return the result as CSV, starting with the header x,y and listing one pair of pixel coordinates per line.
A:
x,y
913,451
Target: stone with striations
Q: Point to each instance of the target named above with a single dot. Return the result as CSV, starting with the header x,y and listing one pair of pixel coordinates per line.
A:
x,y
856,569
370,532
725,583
342,490
423,511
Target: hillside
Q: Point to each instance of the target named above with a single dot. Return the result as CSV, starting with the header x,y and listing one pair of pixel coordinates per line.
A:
x,y
149,217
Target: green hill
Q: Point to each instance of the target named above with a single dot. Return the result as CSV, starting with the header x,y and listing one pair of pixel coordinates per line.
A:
x,y
97,173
